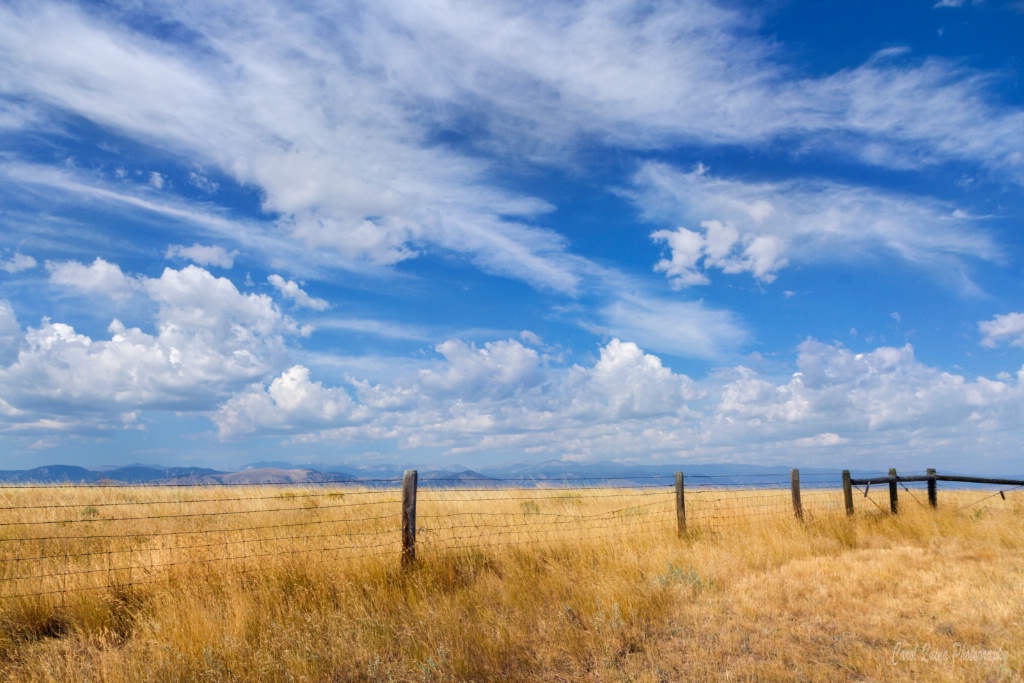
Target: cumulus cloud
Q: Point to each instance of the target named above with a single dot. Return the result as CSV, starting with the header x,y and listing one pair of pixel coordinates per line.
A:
x,y
1003,328
211,340
885,391
220,352
101,277
290,402
18,263
203,255
505,397
719,247
499,368
501,392
291,290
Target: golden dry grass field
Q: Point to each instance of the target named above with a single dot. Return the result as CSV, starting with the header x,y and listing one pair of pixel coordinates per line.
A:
x,y
304,584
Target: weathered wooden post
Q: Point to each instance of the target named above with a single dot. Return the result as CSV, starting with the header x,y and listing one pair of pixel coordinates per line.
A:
x,y
848,492
933,493
794,486
409,517
680,505
894,504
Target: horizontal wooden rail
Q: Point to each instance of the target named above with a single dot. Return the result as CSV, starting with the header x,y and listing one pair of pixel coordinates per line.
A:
x,y
937,477
932,478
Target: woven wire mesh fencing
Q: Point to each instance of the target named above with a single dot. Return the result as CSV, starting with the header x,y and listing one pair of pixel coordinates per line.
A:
x,y
545,513
714,502
70,539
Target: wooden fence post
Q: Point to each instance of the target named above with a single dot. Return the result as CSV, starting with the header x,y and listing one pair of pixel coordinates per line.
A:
x,y
409,517
933,493
894,504
794,486
847,492
680,505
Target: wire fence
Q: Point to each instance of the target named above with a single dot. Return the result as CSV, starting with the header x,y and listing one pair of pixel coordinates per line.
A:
x,y
67,540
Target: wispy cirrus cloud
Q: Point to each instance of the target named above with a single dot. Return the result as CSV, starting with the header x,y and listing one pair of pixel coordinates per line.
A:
x,y
687,329
760,226
272,108
363,182
685,72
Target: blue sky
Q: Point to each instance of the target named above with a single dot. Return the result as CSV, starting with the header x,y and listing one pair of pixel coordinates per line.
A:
x,y
472,233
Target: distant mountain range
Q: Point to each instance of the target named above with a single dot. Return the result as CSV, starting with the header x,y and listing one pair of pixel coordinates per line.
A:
x,y
521,474
156,475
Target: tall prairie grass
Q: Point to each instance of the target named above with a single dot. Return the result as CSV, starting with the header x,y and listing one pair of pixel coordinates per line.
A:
x,y
305,584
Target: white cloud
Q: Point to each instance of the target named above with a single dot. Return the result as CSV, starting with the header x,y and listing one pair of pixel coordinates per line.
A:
x,y
687,249
210,341
1003,328
501,393
202,182
221,353
687,329
821,440
719,247
10,334
693,71
291,290
156,180
760,227
70,185
628,383
203,255
274,109
18,263
505,398
379,328
289,403
499,368
101,277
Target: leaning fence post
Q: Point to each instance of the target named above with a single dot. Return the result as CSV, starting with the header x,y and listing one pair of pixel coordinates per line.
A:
x,y
848,492
794,485
893,495
933,493
409,517
680,505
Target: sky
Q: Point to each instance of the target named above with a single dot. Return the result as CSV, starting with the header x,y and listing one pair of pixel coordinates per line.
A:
x,y
442,232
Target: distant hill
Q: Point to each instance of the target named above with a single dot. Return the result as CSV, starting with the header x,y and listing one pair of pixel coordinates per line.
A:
x,y
272,475
156,475
52,474
463,479
546,473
